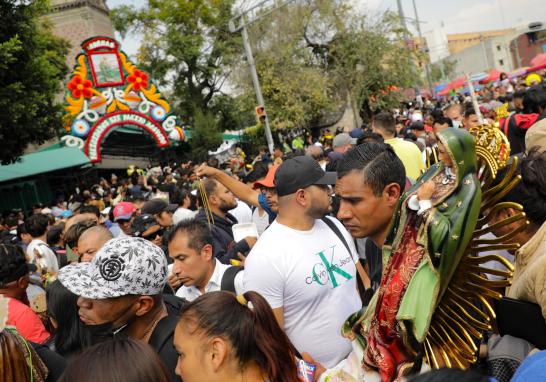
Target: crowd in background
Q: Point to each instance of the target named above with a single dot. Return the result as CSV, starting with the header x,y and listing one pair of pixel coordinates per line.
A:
x,y
148,257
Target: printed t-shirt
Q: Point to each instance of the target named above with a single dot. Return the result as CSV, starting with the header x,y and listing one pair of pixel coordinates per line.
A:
x,y
312,276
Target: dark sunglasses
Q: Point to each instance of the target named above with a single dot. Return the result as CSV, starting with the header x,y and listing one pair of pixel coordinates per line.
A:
x,y
154,235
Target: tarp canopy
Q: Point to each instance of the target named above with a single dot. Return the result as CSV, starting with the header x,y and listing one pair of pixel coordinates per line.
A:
x,y
44,161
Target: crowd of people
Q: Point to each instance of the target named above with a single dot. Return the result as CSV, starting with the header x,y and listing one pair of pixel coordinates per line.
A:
x,y
248,270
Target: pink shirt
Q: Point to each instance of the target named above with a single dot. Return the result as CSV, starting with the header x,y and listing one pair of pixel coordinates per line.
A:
x,y
26,321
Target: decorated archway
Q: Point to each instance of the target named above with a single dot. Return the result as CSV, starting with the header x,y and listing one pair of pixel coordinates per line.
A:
x,y
106,90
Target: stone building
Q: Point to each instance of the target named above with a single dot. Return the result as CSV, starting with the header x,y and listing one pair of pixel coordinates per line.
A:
x,y
77,20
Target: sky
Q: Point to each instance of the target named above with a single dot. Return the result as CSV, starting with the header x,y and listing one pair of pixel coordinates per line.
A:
x,y
456,16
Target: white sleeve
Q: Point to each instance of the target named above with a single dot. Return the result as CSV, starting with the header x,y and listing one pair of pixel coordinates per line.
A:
x,y
419,205
262,275
413,203
239,283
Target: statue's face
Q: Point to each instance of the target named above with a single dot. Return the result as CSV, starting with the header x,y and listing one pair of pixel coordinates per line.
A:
x,y
443,155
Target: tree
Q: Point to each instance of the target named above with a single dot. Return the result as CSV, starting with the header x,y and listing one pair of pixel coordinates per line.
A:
x,y
186,46
314,58
443,70
32,67
205,135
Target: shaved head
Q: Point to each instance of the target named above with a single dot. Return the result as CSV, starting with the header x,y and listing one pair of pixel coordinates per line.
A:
x,y
91,240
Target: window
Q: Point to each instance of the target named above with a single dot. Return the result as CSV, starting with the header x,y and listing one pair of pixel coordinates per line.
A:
x,y
501,62
498,48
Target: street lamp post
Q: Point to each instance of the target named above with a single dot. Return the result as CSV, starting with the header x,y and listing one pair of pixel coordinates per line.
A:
x,y
427,64
239,23
256,83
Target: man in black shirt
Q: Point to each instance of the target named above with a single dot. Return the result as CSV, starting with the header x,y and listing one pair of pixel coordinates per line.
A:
x,y
120,294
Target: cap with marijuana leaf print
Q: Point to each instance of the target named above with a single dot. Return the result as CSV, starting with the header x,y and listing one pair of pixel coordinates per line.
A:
x,y
124,266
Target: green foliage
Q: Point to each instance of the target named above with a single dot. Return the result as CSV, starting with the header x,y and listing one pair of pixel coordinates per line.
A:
x,y
448,67
186,46
32,67
314,58
255,137
205,135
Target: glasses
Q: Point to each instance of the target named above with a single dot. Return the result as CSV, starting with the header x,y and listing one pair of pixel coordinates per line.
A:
x,y
154,235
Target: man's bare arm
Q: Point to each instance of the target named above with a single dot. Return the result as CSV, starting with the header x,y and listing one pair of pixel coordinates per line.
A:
x,y
242,191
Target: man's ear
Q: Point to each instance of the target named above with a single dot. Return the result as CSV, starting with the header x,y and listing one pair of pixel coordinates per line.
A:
x,y
206,252
22,282
213,200
145,304
392,193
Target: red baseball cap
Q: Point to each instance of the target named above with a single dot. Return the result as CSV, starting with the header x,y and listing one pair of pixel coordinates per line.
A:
x,y
268,181
124,211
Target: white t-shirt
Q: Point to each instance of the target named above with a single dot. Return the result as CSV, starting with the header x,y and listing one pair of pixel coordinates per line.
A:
x,y
242,212
262,222
46,258
192,292
312,277
183,214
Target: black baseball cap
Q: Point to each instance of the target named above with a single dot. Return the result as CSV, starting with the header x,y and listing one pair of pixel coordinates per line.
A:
x,y
142,223
301,172
157,205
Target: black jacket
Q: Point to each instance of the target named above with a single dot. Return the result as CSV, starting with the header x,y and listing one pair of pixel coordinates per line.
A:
x,y
162,338
223,245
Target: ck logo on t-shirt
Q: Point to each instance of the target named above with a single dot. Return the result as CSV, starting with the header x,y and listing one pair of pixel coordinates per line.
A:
x,y
326,270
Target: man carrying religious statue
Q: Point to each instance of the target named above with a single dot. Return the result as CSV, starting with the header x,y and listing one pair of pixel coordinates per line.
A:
x,y
424,308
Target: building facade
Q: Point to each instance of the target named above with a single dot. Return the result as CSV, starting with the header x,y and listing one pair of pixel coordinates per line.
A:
x,y
77,20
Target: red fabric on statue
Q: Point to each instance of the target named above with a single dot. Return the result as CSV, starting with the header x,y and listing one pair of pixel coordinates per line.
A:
x,y
385,348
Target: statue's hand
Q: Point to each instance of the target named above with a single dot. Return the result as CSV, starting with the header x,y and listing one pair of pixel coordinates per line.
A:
x,y
426,190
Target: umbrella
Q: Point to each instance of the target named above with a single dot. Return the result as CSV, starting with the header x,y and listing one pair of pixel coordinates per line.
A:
x,y
518,72
478,76
444,91
539,59
494,75
458,83
536,68
440,87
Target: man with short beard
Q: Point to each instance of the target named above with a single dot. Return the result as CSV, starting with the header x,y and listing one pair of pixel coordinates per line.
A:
x,y
303,267
221,200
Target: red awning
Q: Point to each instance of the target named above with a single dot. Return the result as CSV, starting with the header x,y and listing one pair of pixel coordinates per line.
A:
x,y
539,59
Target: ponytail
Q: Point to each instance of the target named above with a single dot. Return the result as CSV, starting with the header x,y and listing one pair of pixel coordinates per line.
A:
x,y
276,353
248,323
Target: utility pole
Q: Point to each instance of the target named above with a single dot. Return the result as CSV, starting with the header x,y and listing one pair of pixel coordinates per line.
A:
x,y
239,23
484,51
427,64
406,41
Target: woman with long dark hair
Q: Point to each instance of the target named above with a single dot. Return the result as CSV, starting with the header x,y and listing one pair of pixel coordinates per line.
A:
x,y
70,335
118,360
221,337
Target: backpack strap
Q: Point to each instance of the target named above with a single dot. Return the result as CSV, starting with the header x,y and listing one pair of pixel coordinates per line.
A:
x,y
228,279
361,272
163,331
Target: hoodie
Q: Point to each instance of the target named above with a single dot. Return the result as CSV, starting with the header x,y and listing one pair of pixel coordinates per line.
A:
x,y
223,245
